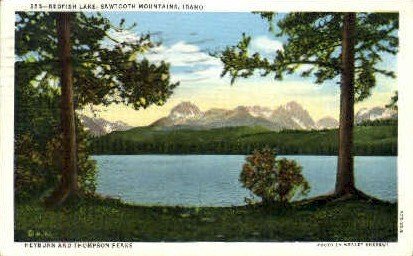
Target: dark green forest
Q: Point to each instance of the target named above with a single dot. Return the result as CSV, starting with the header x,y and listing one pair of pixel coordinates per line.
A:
x,y
371,138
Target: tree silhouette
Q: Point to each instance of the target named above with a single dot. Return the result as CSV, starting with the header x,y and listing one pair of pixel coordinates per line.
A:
x,y
345,45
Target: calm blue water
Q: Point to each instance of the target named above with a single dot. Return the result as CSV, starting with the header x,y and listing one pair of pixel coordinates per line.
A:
x,y
212,180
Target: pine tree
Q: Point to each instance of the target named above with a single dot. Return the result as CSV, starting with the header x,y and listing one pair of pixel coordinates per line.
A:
x,y
68,185
345,45
79,52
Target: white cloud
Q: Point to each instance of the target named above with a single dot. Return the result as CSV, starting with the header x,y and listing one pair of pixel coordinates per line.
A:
x,y
213,72
197,65
265,45
194,64
182,54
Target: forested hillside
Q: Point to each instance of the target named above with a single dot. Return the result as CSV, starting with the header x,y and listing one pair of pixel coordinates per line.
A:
x,y
374,138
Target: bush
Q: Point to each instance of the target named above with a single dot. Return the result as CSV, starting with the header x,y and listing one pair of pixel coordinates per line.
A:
x,y
37,153
274,181
37,169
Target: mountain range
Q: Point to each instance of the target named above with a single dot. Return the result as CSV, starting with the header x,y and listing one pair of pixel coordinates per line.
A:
x,y
100,126
376,113
289,116
186,115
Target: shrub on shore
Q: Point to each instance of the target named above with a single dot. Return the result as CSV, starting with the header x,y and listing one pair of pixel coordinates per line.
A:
x,y
274,181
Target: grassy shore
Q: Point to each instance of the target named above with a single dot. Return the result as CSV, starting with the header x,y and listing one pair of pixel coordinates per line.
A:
x,y
96,219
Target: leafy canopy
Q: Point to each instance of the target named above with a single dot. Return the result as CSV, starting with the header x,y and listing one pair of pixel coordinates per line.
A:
x,y
314,40
106,70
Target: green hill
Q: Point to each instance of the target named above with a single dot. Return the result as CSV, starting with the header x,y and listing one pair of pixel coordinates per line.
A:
x,y
369,140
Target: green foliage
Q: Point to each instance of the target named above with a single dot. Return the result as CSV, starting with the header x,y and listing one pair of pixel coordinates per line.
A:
x,y
314,39
38,144
29,174
379,138
272,180
393,102
105,69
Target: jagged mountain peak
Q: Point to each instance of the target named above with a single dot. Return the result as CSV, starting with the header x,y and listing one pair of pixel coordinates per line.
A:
x,y
99,126
374,113
188,115
293,105
259,111
293,116
184,106
185,110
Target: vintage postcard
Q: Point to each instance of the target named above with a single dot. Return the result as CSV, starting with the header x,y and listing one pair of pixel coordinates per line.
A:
x,y
204,127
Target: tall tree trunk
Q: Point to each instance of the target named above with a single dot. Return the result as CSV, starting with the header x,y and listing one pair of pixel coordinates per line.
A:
x,y
345,166
68,183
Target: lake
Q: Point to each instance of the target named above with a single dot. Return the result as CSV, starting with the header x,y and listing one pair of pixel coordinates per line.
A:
x,y
212,180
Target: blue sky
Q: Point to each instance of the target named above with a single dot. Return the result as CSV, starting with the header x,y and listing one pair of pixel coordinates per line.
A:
x,y
188,38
